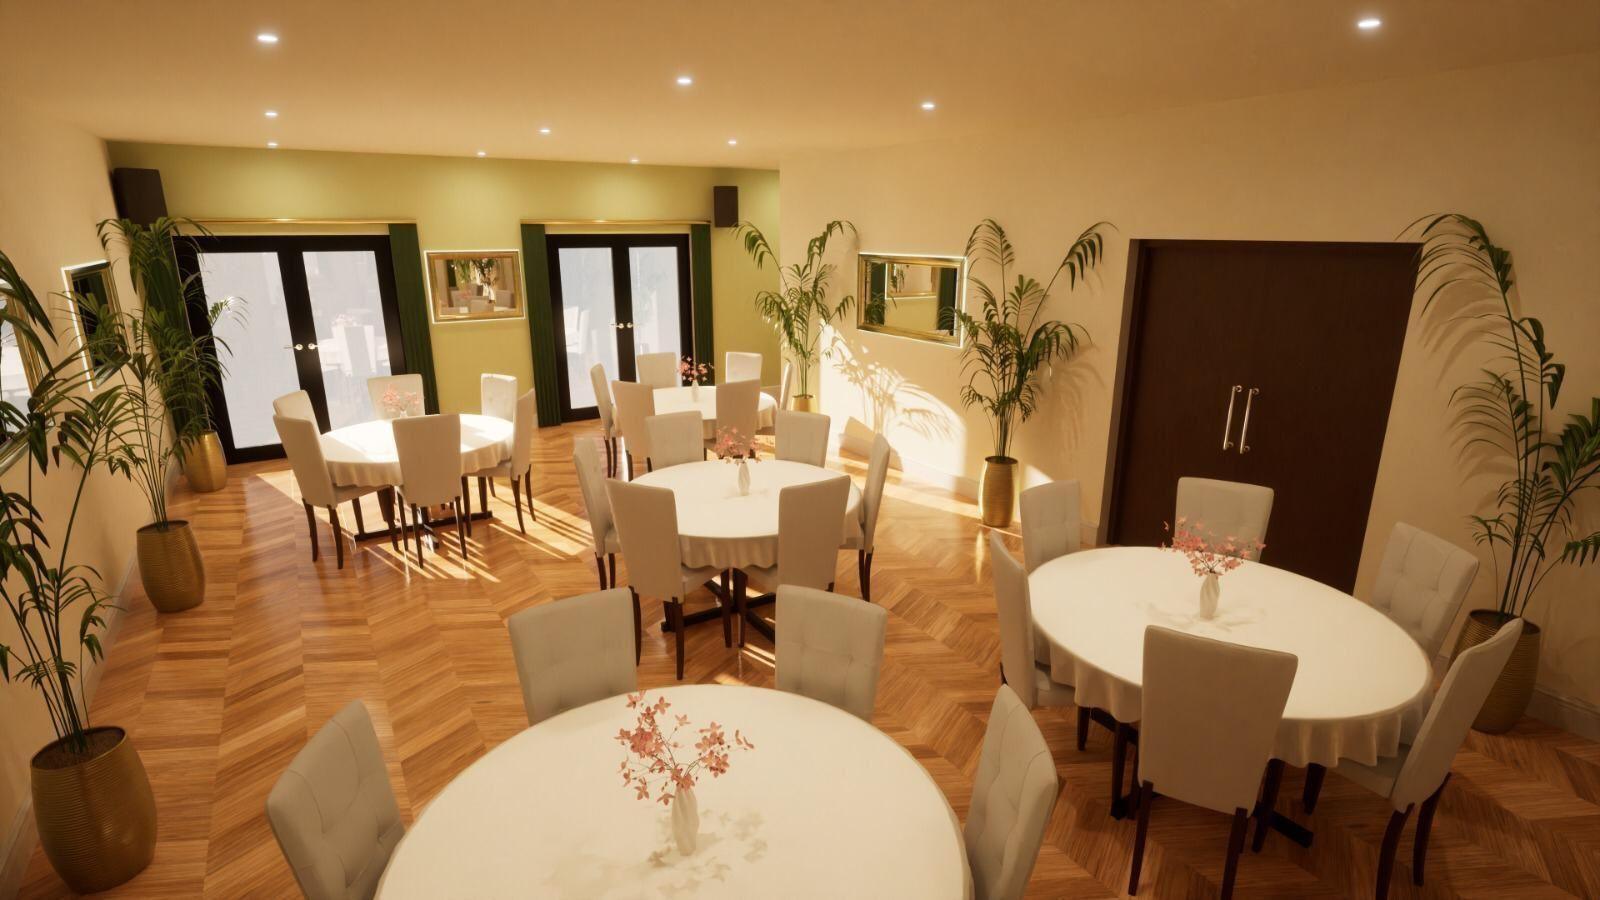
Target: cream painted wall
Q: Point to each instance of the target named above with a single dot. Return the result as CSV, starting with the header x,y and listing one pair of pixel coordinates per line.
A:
x,y
465,204
1516,146
53,189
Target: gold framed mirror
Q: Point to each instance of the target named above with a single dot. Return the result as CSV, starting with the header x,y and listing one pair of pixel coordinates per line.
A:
x,y
91,282
910,296
474,284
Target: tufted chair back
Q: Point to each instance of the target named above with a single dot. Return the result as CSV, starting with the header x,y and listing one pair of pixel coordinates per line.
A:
x,y
574,651
1051,522
830,648
1223,509
1012,797
1422,583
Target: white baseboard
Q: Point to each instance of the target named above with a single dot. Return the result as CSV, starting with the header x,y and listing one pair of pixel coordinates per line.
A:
x,y
1566,713
963,487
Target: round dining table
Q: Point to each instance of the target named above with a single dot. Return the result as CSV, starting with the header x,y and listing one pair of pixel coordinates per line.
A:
x,y
365,455
703,399
1361,686
825,805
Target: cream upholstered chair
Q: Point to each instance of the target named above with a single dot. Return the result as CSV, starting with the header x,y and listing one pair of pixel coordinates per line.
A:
x,y
779,392
738,366
1210,715
1018,667
1222,509
407,388
429,448
676,438
801,437
1419,773
497,395
829,647
635,403
303,445
575,651
738,411
871,503
295,405
1422,583
592,483
518,467
608,421
333,810
1052,522
810,529
647,527
1012,796
658,370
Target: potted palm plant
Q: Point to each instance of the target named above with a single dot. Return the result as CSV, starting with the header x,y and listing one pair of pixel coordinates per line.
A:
x,y
153,268
799,308
1505,415
1006,346
91,796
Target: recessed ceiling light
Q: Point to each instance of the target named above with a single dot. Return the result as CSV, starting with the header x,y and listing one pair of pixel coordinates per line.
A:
x,y
544,130
1369,23
267,37
272,145
928,105
733,142
633,160
685,80
483,153
271,114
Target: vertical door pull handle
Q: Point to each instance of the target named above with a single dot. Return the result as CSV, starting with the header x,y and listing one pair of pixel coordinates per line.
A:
x,y
1244,430
299,346
311,346
1227,427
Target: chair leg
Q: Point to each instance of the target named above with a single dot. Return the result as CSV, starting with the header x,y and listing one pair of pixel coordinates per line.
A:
x,y
463,525
726,602
611,462
1119,753
516,497
1419,851
485,488
387,507
600,566
464,503
1314,775
1241,821
356,506
338,535
675,614
611,566
866,576
741,585
1269,800
417,525
527,488
1147,793
638,626
1083,727
492,493
311,525
1391,842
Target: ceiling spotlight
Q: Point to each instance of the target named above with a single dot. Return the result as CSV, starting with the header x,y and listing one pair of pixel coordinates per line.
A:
x,y
267,37
272,145
271,114
733,142
928,105
545,130
1369,23
633,160
483,153
685,80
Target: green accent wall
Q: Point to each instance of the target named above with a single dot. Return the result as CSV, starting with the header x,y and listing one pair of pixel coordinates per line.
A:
x,y
412,295
541,324
700,287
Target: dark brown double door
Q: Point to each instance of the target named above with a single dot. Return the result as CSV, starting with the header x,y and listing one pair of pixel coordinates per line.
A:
x,y
1271,363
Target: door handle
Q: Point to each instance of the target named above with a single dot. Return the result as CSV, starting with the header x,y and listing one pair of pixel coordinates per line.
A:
x,y
1227,427
296,347
311,346
1244,430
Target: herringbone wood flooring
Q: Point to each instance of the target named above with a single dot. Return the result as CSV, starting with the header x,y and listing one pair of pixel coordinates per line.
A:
x,y
220,698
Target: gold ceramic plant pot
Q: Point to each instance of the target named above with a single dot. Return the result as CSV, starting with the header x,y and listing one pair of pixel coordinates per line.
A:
x,y
998,492
97,817
804,403
170,567
204,464
1508,700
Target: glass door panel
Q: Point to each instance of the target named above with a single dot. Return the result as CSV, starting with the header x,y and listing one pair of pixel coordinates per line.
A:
x,y
352,344
653,277
261,358
588,319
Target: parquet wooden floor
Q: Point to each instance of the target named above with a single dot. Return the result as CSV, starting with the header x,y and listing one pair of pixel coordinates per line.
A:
x,y
219,699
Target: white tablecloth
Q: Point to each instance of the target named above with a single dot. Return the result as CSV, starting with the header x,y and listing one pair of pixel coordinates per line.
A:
x,y
824,806
704,400
1361,684
364,454
720,528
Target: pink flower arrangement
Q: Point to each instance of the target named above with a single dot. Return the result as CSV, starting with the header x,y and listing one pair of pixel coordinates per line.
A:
x,y
694,373
652,764
396,402
730,445
1207,557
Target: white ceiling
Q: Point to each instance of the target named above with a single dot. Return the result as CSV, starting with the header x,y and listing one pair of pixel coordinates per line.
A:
x,y
410,76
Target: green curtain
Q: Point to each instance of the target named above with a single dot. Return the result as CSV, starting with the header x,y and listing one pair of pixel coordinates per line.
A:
x,y
406,254
700,290
541,325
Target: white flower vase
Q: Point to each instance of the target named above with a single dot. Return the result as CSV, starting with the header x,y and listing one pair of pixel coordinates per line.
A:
x,y
694,390
1210,593
744,478
685,821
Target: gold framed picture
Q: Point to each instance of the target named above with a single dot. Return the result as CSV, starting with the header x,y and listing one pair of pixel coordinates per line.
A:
x,y
470,285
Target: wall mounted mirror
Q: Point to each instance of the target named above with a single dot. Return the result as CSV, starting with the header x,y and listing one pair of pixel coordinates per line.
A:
x,y
90,288
477,284
910,296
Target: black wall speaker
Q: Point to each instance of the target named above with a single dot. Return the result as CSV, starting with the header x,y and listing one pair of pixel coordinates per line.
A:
x,y
725,206
138,195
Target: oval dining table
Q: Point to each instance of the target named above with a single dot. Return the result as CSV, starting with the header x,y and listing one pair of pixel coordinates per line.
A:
x,y
825,805
703,399
1362,684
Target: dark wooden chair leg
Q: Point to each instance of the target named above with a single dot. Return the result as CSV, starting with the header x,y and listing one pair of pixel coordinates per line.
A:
x,y
485,488
1269,800
516,498
492,492
1419,851
1147,793
611,569
1391,842
418,523
1314,775
627,460
1241,821
386,508
527,488
741,584
1119,753
726,602
465,503
355,505
311,525
338,535
866,578
463,525
1083,727
611,461
675,614
600,566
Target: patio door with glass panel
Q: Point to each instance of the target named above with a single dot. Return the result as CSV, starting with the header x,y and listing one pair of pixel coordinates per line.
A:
x,y
616,296
316,314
